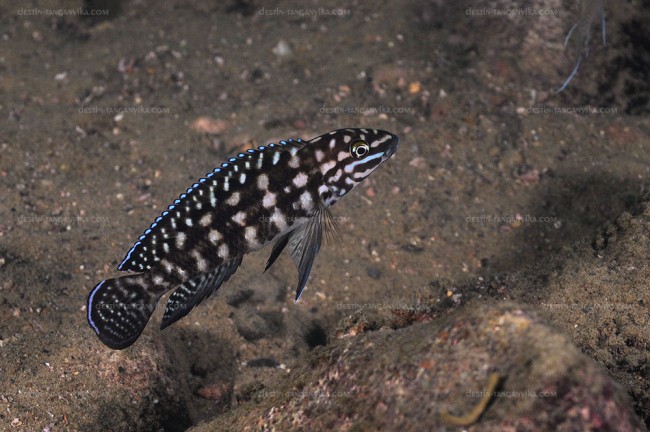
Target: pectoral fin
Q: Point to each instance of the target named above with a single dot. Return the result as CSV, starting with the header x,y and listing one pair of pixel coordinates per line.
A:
x,y
277,249
304,243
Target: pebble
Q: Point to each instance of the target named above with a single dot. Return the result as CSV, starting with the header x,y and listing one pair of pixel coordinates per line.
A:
x,y
216,392
263,362
373,272
412,248
418,162
415,87
209,125
282,49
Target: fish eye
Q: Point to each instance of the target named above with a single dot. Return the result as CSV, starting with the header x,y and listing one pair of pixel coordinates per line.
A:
x,y
359,149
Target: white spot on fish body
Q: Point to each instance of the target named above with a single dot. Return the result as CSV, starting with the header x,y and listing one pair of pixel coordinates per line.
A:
x,y
201,264
180,240
263,182
300,180
322,190
279,220
324,168
294,162
167,266
214,236
335,178
206,219
250,233
268,200
213,198
234,199
306,202
240,218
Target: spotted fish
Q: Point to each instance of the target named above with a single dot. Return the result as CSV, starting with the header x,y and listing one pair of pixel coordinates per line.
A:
x,y
279,193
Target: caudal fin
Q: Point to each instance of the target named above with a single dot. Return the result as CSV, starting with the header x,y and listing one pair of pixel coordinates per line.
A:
x,y
119,309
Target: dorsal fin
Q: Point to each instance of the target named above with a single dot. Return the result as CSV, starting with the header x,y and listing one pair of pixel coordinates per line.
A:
x,y
201,198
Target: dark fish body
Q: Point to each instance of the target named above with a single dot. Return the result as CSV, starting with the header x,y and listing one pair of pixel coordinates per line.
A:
x,y
277,193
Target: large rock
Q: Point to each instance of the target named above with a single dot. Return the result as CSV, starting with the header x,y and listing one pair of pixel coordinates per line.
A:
x,y
403,379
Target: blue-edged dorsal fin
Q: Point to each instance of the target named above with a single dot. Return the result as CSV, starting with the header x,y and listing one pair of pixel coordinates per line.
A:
x,y
181,219
195,290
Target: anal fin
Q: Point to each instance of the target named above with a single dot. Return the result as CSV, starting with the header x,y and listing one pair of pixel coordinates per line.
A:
x,y
195,290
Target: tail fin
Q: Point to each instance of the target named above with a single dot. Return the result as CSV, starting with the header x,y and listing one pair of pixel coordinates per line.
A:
x,y
119,309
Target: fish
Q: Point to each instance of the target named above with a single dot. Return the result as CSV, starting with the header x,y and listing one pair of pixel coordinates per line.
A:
x,y
590,11
276,194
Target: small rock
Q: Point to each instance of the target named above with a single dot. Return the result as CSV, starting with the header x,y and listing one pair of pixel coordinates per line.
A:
x,y
210,125
373,272
217,392
418,162
263,362
412,248
415,87
282,49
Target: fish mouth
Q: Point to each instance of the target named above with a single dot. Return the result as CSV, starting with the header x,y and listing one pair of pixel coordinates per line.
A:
x,y
392,146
